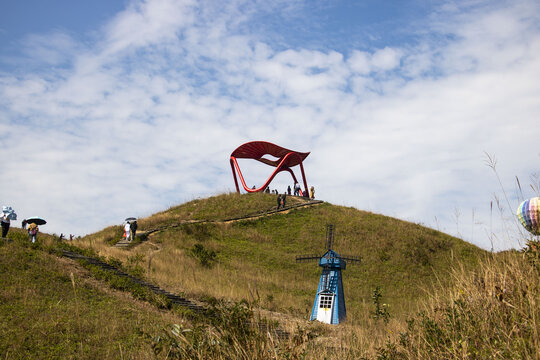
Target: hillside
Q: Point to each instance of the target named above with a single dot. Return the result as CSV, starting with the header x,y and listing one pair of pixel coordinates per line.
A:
x,y
445,298
255,257
51,308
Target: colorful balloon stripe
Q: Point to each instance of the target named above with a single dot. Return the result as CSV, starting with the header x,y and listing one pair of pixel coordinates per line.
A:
x,y
528,213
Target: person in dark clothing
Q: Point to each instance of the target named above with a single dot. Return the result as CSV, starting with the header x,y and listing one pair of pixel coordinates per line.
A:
x,y
283,200
23,224
289,189
133,228
278,201
5,224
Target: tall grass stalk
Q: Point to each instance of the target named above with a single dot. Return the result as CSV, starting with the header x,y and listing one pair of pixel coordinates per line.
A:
x,y
72,277
491,162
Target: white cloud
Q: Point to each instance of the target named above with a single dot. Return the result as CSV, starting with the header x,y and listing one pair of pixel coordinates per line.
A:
x,y
52,49
385,59
147,116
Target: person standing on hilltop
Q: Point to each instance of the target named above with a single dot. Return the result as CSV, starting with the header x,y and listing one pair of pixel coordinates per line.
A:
x,y
278,201
312,192
289,190
283,200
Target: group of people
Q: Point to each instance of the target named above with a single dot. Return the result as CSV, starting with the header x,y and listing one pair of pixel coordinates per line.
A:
x,y
130,227
298,191
130,230
282,198
9,214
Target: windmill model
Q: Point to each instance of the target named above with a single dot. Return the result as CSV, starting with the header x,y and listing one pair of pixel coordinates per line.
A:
x,y
329,305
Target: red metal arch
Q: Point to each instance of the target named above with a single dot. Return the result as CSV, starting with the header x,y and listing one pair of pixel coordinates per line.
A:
x,y
256,150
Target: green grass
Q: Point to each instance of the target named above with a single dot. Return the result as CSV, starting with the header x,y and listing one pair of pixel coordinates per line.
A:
x,y
48,310
467,296
225,206
402,258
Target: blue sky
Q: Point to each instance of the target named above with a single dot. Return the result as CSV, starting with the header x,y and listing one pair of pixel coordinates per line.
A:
x,y
124,108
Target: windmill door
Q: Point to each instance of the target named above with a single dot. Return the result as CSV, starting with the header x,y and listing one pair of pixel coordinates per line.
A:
x,y
326,304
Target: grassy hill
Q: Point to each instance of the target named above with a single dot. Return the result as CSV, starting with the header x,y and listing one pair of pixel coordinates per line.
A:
x,y
50,308
446,298
255,258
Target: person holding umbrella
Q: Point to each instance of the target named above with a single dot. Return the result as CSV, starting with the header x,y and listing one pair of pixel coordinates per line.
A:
x,y
133,228
127,231
33,229
32,232
5,224
132,222
7,215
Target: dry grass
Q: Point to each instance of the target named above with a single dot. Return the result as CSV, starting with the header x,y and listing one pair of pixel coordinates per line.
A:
x,y
487,311
490,313
255,258
255,262
51,309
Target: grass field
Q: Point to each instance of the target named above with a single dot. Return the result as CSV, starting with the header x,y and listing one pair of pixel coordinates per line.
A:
x,y
441,297
52,309
255,259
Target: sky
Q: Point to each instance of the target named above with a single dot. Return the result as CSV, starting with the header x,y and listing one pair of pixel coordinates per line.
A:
x,y
423,110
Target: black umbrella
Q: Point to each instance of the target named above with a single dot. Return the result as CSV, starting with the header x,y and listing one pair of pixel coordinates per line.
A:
x,y
131,219
36,220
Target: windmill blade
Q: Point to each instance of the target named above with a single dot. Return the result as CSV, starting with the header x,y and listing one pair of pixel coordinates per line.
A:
x,y
306,258
329,236
351,259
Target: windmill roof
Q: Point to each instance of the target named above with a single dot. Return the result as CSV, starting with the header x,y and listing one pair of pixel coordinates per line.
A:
x,y
332,259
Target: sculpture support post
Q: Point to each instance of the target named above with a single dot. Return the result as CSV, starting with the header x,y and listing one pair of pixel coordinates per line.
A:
x,y
304,178
234,176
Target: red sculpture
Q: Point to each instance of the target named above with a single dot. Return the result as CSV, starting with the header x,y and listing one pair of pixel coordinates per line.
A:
x,y
256,150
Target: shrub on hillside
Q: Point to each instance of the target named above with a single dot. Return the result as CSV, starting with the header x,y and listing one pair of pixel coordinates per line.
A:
x,y
206,257
228,331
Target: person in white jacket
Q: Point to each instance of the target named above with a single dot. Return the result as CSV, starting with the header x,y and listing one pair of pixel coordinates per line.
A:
x,y
127,229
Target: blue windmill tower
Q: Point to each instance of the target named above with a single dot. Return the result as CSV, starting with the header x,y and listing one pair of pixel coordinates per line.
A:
x,y
329,305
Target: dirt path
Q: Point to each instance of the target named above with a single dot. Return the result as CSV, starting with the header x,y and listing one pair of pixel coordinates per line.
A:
x,y
285,210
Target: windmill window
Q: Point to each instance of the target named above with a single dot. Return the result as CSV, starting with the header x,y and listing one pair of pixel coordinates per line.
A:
x,y
325,302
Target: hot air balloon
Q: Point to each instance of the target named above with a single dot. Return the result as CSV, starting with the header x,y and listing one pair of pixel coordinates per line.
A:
x,y
528,214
